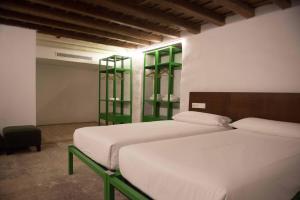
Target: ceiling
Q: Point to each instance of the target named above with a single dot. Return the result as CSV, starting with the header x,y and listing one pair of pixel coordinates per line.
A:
x,y
129,24
77,45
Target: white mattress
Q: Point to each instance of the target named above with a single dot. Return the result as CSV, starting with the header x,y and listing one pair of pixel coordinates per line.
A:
x,y
238,165
102,143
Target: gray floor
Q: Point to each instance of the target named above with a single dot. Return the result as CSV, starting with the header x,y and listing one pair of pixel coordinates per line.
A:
x,y
31,175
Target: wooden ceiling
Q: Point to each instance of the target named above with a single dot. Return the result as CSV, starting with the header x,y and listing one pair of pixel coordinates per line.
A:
x,y
130,24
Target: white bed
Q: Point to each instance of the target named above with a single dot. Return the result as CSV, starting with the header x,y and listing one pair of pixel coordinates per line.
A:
x,y
102,143
230,165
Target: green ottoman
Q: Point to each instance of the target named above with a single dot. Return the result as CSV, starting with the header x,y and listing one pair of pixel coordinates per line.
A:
x,y
21,136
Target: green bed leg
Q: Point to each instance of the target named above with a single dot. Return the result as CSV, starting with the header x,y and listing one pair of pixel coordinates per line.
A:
x,y
70,159
109,192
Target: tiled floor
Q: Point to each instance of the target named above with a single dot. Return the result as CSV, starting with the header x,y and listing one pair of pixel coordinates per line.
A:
x,y
31,175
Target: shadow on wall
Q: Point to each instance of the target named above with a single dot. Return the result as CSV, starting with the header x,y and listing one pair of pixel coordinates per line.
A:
x,y
66,92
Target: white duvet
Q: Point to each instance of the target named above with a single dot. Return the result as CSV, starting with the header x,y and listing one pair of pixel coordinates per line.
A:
x,y
102,143
229,165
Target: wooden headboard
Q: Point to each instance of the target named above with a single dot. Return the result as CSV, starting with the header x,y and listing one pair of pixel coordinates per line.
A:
x,y
238,105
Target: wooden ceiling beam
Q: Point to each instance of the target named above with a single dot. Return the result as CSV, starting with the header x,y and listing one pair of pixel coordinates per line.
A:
x,y
67,34
283,3
193,10
240,7
70,27
41,11
104,14
148,14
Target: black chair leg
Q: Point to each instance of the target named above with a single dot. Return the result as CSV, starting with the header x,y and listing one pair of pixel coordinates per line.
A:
x,y
9,151
38,147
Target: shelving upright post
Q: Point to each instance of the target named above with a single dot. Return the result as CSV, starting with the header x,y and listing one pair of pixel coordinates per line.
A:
x,y
111,70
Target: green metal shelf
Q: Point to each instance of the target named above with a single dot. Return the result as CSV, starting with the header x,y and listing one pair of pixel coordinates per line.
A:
x,y
157,68
165,104
165,51
115,117
113,70
157,101
114,65
114,58
125,101
174,65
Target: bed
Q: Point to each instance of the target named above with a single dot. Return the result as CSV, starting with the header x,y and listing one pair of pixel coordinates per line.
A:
x,y
102,144
98,147
229,165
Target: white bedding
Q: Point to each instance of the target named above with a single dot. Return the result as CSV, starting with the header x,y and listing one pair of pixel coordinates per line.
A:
x,y
229,165
102,143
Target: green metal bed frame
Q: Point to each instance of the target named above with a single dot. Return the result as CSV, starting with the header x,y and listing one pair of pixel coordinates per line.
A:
x,y
118,182
100,170
112,180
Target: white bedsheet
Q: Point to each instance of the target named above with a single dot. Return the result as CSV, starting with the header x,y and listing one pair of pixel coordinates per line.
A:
x,y
238,165
102,143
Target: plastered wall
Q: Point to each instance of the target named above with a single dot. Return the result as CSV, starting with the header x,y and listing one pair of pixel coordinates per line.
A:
x,y
261,54
67,92
17,76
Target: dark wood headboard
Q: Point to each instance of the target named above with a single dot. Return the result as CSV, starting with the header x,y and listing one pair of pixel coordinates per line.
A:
x,y
238,105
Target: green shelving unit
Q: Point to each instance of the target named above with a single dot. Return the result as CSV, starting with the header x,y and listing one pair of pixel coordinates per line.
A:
x,y
155,69
114,69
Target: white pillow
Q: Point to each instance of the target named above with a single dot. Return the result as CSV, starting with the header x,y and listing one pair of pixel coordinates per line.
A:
x,y
270,127
202,118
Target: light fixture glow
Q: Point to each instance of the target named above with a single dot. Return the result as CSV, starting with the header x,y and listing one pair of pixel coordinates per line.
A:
x,y
160,45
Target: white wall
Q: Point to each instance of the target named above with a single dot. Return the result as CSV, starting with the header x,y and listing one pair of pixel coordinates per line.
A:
x,y
17,76
261,54
51,53
77,78
66,92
